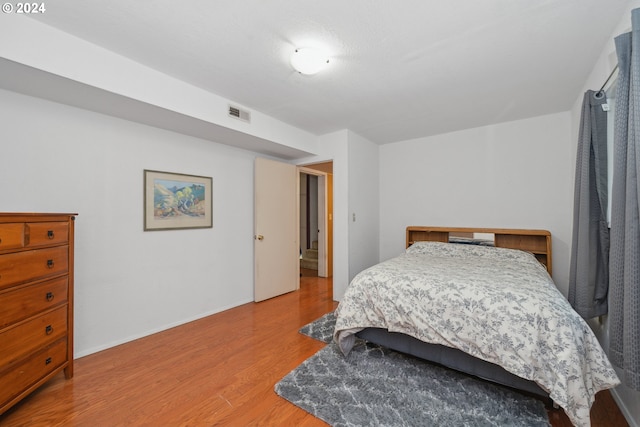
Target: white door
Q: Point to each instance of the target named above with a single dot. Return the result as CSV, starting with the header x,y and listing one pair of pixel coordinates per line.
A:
x,y
276,247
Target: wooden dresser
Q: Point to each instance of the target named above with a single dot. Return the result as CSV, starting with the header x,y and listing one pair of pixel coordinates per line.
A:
x,y
36,302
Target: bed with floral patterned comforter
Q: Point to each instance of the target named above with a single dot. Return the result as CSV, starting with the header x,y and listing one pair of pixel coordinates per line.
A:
x,y
499,305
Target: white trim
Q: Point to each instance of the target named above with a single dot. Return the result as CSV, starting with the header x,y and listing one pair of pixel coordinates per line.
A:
x,y
78,355
323,219
623,408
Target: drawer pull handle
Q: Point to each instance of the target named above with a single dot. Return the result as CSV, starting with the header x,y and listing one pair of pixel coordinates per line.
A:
x,y
48,330
50,296
50,234
48,361
49,263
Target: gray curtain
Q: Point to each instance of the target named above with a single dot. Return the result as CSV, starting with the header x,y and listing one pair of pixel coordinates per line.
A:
x,y
624,298
589,268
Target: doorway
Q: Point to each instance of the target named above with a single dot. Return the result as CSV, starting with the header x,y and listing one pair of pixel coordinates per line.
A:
x,y
316,219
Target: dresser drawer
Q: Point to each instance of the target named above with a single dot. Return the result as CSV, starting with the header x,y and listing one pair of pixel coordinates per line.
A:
x,y
12,235
46,233
22,339
24,266
24,302
30,371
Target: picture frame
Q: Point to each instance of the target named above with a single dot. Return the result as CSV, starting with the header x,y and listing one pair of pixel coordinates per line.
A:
x,y
175,201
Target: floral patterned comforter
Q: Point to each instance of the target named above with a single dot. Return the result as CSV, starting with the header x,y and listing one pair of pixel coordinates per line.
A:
x,y
496,304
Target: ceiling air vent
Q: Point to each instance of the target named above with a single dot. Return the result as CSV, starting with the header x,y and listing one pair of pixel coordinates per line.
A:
x,y
239,114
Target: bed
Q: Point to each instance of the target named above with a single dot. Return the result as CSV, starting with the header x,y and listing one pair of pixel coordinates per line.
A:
x,y
485,306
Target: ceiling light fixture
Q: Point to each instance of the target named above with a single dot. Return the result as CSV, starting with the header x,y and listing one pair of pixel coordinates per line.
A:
x,y
308,60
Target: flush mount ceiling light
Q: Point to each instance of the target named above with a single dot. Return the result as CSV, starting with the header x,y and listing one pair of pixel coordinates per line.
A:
x,y
308,60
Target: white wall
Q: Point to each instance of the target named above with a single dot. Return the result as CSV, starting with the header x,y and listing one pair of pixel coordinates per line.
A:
x,y
364,206
510,175
129,283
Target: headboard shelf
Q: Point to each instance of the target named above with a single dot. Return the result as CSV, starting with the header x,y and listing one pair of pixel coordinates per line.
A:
x,y
538,242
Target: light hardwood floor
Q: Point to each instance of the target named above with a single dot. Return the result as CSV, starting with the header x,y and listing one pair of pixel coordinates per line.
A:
x,y
219,370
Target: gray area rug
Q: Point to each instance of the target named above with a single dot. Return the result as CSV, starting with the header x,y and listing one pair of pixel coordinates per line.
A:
x,y
375,386
321,329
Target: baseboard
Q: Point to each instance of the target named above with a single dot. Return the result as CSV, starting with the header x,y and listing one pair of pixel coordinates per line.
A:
x,y
623,408
79,354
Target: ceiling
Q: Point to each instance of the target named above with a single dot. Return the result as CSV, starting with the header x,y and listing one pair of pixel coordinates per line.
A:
x,y
398,69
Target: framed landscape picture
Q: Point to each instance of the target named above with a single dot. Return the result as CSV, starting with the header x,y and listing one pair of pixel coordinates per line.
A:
x,y
176,201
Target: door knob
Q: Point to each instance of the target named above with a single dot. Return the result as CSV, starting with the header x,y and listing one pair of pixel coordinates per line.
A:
x,y
259,237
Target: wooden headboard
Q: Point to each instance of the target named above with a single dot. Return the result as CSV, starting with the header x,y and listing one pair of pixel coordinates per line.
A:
x,y
538,242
